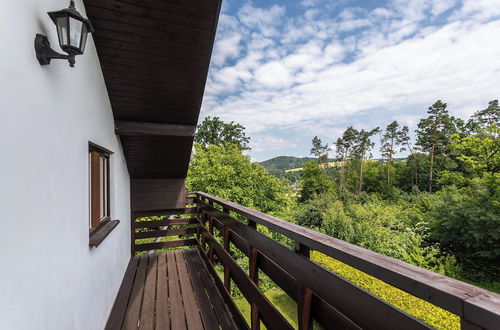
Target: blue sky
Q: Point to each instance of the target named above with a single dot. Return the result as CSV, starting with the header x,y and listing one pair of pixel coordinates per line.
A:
x,y
290,70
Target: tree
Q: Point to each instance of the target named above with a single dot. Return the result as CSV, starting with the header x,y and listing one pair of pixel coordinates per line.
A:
x,y
224,171
480,152
213,131
319,150
362,147
489,116
344,148
434,132
314,182
393,137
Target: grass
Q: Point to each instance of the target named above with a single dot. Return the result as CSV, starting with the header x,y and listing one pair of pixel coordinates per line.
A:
x,y
283,303
421,309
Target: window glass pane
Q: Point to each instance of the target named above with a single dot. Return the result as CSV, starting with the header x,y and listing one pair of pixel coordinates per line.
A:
x,y
84,39
102,186
106,188
90,190
75,32
62,30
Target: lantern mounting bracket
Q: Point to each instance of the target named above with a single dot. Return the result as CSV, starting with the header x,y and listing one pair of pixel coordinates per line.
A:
x,y
45,54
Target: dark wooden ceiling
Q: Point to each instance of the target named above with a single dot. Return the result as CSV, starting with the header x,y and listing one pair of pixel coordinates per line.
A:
x,y
155,56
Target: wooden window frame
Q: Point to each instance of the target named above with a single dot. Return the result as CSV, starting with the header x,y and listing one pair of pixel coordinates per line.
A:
x,y
100,222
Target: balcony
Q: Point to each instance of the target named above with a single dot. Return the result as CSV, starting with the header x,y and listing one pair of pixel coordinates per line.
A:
x,y
191,287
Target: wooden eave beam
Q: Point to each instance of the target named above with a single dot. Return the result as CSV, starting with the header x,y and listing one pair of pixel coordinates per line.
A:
x,y
134,128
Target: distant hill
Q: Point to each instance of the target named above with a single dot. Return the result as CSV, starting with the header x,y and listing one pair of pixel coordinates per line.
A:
x,y
287,164
283,163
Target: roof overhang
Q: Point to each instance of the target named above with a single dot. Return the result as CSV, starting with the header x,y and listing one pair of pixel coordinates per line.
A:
x,y
155,57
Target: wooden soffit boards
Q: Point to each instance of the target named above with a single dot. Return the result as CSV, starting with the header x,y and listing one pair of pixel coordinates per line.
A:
x,y
155,194
155,56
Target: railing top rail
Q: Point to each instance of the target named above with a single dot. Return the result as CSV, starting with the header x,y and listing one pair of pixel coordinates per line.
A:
x,y
474,304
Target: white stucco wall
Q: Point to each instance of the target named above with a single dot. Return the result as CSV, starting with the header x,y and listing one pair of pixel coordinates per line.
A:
x,y
49,277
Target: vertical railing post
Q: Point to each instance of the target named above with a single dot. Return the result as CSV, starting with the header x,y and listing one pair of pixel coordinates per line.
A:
x,y
227,273
211,230
254,276
252,224
132,233
302,249
304,294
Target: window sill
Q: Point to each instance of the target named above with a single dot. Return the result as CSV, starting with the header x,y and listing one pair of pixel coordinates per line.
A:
x,y
98,234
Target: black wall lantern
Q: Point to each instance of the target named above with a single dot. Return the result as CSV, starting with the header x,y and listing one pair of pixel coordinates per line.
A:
x,y
72,30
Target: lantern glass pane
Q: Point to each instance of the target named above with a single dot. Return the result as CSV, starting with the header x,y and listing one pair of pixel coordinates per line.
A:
x,y
75,32
84,38
62,30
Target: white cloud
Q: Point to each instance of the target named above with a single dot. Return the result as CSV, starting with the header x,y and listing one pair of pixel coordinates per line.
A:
x,y
299,75
273,75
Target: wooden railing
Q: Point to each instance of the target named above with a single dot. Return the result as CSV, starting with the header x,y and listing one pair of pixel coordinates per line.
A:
x,y
146,228
320,294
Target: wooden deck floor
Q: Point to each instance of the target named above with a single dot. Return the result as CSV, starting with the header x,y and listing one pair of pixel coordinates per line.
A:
x,y
171,290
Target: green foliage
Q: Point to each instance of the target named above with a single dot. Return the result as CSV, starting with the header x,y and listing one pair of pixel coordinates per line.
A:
x,y
213,131
378,225
421,309
224,171
480,152
466,222
314,182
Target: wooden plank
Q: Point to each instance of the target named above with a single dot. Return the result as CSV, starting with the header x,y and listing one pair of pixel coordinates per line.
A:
x,y
131,320
166,245
193,319
157,194
101,233
163,223
154,23
157,213
166,232
162,129
222,303
207,312
189,8
439,290
330,317
174,17
177,317
162,312
148,303
120,305
174,38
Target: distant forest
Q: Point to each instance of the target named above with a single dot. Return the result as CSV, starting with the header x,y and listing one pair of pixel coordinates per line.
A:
x,y
438,209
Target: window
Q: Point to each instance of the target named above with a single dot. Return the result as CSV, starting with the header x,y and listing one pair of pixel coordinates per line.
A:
x,y
99,185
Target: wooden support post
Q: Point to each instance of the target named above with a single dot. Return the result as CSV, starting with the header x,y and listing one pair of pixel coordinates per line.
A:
x,y
252,224
211,230
225,210
302,249
227,273
304,308
132,233
254,276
